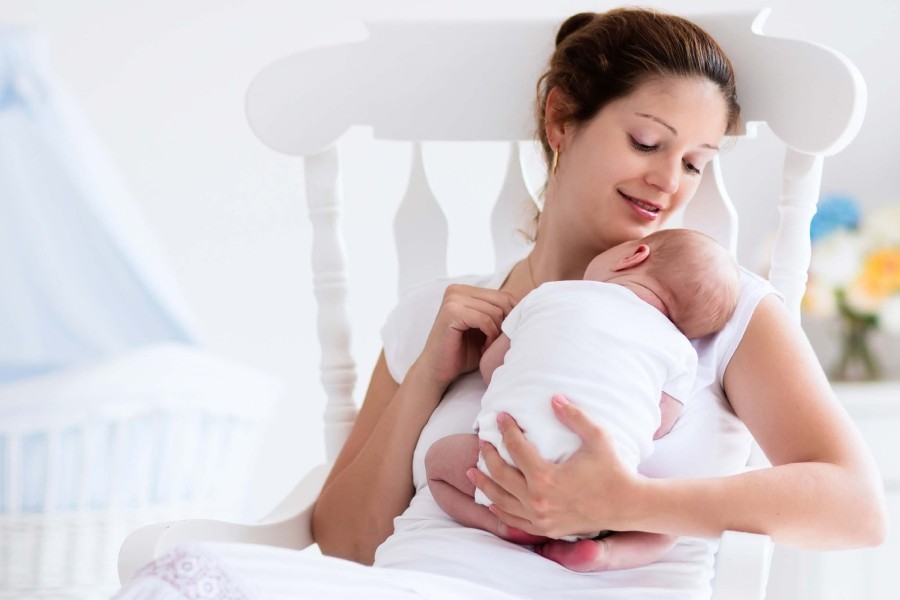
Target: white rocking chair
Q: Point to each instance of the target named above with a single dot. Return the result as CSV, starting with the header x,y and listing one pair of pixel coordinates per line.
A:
x,y
413,81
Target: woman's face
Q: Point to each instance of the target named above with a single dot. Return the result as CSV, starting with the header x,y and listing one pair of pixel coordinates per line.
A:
x,y
640,159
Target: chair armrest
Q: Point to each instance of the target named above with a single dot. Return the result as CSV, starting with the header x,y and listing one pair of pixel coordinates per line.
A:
x,y
287,526
742,566
301,497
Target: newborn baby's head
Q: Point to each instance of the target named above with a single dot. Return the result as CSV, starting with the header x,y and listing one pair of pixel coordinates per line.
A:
x,y
685,274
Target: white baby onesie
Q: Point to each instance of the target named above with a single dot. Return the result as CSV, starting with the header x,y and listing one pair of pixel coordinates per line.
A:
x,y
602,347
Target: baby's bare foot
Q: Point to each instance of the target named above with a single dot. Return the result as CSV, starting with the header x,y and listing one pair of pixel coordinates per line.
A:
x,y
517,536
582,556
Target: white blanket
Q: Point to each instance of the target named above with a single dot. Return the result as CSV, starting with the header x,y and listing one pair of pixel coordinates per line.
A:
x,y
250,572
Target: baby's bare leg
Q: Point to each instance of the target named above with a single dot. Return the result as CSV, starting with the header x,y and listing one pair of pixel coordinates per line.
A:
x,y
446,463
621,550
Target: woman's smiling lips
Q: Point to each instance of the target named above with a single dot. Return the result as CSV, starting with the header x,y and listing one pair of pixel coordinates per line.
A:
x,y
643,208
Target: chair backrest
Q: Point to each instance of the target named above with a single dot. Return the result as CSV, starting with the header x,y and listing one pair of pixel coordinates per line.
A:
x,y
416,81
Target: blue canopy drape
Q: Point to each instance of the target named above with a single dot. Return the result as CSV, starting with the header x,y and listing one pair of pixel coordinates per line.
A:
x,y
80,276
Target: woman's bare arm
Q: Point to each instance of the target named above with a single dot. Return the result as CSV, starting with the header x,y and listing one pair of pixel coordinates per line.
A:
x,y
374,465
371,480
823,491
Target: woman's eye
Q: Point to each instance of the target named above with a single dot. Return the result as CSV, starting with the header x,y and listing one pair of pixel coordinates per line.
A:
x,y
691,168
641,147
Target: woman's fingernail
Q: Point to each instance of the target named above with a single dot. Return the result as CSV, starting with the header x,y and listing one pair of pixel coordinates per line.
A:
x,y
470,474
559,400
502,418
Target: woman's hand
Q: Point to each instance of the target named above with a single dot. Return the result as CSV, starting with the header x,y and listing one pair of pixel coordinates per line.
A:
x,y
467,322
591,491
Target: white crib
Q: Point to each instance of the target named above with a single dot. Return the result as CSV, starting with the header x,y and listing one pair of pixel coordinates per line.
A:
x,y
89,454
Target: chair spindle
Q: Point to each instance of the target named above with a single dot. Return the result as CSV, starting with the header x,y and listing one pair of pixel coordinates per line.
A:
x,y
420,230
791,250
324,194
712,210
511,215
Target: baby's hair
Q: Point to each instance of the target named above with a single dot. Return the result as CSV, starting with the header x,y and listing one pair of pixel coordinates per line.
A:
x,y
704,273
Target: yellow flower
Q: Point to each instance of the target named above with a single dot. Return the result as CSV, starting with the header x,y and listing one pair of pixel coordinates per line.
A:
x,y
880,274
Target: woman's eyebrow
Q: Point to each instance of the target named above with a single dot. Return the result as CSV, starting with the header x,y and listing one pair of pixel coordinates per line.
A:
x,y
660,121
672,129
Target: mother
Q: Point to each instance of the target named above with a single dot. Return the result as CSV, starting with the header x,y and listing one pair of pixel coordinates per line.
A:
x,y
632,108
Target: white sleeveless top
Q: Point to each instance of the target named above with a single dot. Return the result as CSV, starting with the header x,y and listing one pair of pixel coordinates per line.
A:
x,y
708,440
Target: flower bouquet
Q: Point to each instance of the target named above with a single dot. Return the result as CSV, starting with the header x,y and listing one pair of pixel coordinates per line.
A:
x,y
854,277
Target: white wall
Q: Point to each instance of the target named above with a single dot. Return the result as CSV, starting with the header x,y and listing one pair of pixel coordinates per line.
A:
x,y
164,82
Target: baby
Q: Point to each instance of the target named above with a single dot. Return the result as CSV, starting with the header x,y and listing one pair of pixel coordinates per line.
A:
x,y
616,344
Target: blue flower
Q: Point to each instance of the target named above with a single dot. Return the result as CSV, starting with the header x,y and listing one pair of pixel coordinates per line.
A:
x,y
834,212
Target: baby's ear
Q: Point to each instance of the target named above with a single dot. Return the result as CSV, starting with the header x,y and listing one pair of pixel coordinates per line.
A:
x,y
635,257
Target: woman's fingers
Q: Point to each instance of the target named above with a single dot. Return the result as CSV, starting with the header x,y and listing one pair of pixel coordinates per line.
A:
x,y
461,304
476,308
505,481
469,317
512,520
495,493
583,493
523,452
504,505
503,300
494,301
525,486
468,320
575,419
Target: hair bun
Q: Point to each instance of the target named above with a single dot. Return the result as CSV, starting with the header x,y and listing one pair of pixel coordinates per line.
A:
x,y
573,24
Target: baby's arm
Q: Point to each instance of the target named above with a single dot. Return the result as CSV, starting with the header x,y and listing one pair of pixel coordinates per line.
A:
x,y
620,550
669,411
493,357
446,463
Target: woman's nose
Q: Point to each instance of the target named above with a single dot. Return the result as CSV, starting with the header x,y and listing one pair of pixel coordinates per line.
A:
x,y
664,175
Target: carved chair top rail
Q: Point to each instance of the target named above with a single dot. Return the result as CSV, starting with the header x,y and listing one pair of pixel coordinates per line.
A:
x,y
474,80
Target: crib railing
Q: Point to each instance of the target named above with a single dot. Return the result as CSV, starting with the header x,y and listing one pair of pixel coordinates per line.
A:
x,y
88,455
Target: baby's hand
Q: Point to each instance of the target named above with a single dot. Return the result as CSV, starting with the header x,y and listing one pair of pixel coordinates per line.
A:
x,y
493,357
669,410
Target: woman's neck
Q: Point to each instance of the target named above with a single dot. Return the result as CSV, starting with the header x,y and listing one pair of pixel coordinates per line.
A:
x,y
541,265
558,255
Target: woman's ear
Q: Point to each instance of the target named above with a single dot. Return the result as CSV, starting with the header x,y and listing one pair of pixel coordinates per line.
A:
x,y
635,257
554,125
